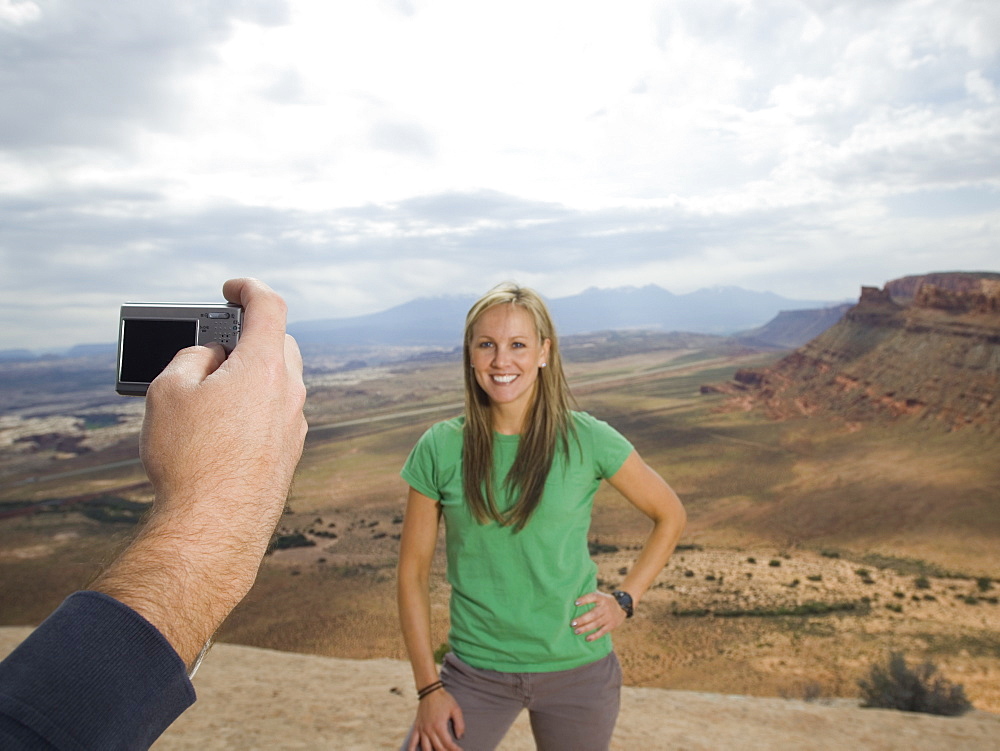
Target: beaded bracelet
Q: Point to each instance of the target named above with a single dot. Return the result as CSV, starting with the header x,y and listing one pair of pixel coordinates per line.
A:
x,y
427,690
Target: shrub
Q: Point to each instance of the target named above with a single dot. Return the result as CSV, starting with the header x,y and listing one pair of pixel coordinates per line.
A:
x,y
895,685
439,653
805,609
866,575
597,547
294,540
922,582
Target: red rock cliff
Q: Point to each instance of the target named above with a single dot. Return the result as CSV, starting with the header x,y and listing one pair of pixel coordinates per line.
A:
x,y
923,347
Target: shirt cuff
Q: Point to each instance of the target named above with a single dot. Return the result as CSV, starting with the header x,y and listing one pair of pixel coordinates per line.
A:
x,y
94,674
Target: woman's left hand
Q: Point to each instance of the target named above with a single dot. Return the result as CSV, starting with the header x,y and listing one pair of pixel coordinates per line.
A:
x,y
603,618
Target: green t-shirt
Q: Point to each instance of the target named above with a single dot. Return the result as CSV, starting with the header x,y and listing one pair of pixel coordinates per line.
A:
x,y
513,593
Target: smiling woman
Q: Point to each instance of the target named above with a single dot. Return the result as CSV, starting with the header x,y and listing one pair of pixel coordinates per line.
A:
x,y
507,353
514,480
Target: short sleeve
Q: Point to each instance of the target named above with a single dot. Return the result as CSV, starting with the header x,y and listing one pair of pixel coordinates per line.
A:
x,y
610,448
420,467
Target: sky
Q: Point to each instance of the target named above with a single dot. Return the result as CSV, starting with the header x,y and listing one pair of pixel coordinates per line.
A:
x,y
358,155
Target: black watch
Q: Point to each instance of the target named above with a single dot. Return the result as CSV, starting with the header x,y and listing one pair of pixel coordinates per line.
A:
x,y
625,601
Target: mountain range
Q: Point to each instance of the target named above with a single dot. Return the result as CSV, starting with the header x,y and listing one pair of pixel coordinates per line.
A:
x,y
439,321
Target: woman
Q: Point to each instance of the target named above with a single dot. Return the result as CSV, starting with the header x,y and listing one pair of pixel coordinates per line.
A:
x,y
514,479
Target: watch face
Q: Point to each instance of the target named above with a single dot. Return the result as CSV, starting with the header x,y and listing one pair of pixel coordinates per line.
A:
x,y
625,601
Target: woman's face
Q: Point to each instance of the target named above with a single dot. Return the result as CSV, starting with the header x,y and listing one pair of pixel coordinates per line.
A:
x,y
506,355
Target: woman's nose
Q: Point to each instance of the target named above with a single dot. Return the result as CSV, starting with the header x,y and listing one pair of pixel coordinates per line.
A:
x,y
501,356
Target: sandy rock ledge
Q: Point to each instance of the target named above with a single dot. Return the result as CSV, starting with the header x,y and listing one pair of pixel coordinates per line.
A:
x,y
252,698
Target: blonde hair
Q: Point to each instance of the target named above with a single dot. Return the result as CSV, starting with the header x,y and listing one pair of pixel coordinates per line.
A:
x,y
547,422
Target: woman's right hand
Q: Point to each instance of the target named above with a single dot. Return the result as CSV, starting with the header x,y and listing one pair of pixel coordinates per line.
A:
x,y
439,722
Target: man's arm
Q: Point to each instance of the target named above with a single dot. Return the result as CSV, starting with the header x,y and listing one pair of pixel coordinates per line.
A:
x,y
220,442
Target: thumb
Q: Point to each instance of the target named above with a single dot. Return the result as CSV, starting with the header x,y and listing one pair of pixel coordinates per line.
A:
x,y
191,366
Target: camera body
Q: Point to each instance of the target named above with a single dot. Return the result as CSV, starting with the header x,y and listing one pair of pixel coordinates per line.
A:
x,y
151,333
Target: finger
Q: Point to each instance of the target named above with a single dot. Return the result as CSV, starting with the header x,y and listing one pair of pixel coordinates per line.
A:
x,y
459,723
598,634
583,623
293,357
446,742
192,365
264,312
441,737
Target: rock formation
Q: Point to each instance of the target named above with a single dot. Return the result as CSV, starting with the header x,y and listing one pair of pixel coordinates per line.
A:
x,y
926,347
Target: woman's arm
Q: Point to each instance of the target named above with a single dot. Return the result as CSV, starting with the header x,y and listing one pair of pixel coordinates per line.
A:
x,y
438,711
643,487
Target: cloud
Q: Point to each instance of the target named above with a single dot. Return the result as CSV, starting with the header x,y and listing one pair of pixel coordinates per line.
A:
x,y
87,73
358,155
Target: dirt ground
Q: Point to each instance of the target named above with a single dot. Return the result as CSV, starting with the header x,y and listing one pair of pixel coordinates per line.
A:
x,y
252,698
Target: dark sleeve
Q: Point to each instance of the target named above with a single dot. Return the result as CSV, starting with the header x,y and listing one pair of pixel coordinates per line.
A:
x,y
94,675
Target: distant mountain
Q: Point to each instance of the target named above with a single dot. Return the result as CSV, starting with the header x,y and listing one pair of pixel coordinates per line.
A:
x,y
439,321
434,321
935,358
96,352
793,328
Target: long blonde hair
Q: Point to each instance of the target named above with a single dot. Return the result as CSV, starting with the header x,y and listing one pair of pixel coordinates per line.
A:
x,y
547,423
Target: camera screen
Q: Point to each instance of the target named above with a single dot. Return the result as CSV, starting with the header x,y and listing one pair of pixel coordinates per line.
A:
x,y
149,344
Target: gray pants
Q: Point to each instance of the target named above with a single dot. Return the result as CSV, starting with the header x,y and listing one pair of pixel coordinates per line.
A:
x,y
569,709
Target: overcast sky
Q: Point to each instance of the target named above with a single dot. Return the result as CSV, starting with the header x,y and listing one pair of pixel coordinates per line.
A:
x,y
357,155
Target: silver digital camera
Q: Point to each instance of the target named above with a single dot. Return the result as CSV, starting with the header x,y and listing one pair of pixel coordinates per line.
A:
x,y
151,333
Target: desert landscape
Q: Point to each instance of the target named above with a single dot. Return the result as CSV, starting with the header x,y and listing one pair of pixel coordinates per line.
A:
x,y
821,538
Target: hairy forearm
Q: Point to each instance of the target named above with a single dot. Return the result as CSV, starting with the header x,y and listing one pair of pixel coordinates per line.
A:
x,y
184,575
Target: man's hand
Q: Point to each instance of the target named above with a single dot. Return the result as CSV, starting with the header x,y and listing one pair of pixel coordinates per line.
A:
x,y
229,428
220,442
